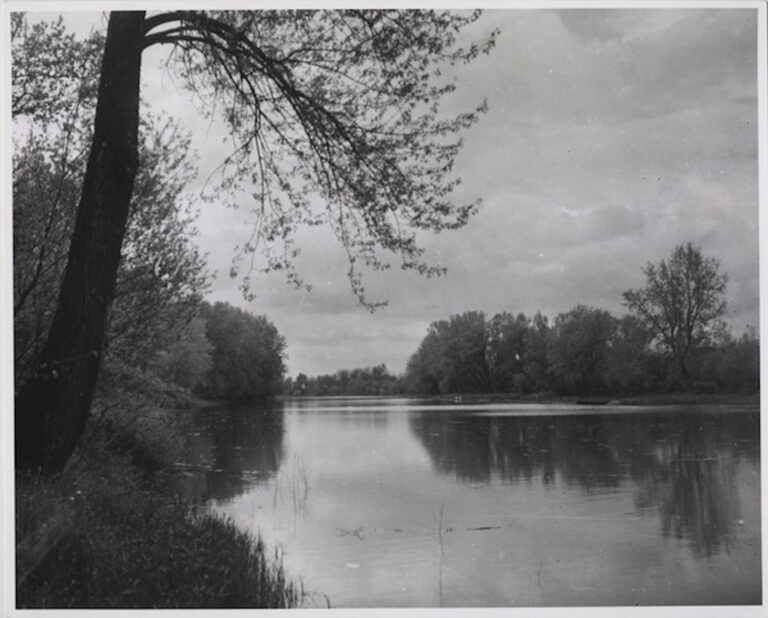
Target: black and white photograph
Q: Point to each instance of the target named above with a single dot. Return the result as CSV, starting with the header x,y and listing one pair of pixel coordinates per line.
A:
x,y
365,307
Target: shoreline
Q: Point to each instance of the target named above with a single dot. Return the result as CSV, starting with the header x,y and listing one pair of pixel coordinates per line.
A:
x,y
659,399
650,400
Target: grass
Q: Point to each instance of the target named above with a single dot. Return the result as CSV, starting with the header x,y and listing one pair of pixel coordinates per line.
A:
x,y
112,532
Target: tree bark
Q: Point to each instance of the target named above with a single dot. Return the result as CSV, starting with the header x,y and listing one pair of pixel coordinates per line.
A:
x,y
53,406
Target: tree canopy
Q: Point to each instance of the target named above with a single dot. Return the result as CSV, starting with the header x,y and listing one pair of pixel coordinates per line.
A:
x,y
578,349
681,302
247,357
336,118
587,351
161,272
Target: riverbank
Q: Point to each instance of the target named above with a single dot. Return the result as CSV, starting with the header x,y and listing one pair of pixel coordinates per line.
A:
x,y
654,399
114,530
672,399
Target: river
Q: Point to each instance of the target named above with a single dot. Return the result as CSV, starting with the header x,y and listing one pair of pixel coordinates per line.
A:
x,y
405,503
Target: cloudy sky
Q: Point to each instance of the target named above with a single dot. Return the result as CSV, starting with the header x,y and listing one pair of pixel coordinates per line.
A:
x,y
612,136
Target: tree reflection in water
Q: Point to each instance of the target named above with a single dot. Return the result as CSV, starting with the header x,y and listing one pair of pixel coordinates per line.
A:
x,y
346,410
693,484
229,449
683,464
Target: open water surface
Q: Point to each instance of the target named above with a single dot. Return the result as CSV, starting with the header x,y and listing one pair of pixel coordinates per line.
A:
x,y
395,502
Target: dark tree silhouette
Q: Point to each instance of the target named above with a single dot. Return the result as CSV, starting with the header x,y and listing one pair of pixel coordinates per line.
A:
x,y
681,303
342,104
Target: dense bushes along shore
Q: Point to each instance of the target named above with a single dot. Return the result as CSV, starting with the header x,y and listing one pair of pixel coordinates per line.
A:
x,y
115,531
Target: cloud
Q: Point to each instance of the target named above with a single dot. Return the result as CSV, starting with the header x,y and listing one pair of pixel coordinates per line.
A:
x,y
612,136
597,25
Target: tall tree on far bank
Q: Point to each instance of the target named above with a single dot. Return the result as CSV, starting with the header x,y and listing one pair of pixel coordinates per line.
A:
x,y
578,349
452,358
342,105
506,351
681,302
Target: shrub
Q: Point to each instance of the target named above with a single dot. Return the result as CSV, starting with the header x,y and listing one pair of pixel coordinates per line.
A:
x,y
110,532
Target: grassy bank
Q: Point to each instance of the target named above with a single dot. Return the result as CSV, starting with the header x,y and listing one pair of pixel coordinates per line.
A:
x,y
113,531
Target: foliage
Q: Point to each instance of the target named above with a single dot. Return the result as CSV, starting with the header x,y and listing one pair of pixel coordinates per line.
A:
x,y
732,367
247,358
536,365
52,70
507,351
49,134
422,374
578,349
588,351
452,357
464,366
103,535
161,271
470,354
681,303
187,360
366,381
40,233
630,363
342,104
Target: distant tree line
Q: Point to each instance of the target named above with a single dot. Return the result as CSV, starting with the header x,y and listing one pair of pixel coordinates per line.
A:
x,y
672,339
584,351
356,382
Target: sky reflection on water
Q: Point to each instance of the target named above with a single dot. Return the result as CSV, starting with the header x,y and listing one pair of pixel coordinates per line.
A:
x,y
387,503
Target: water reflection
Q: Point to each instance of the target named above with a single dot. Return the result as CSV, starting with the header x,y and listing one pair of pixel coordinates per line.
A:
x,y
229,449
345,410
683,465
384,502
692,482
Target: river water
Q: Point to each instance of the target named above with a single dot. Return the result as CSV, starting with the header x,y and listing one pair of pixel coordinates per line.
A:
x,y
395,502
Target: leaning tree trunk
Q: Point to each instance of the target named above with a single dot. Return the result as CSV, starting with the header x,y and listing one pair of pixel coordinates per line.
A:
x,y
53,406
